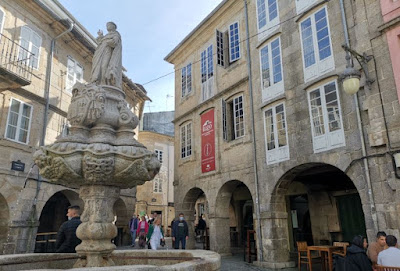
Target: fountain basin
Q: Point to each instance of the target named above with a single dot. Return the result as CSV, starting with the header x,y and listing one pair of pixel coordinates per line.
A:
x,y
170,260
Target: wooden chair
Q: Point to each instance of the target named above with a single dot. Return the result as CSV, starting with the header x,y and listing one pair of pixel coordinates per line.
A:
x,y
303,256
386,268
342,252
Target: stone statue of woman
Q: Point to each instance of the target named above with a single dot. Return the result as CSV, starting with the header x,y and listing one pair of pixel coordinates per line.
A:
x,y
107,59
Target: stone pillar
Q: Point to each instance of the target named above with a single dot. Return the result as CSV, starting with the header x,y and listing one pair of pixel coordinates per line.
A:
x,y
97,229
275,240
190,243
220,235
21,237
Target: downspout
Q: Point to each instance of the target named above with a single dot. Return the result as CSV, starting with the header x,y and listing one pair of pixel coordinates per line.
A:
x,y
360,128
257,202
48,80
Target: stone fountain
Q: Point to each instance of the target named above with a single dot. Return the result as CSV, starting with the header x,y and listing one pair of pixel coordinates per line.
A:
x,y
100,155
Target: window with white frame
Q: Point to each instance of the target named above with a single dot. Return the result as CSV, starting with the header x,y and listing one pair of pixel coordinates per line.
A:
x,y
2,15
157,184
221,46
326,119
19,121
267,17
207,73
159,154
186,140
316,45
276,138
30,42
233,118
186,80
74,73
302,5
234,42
271,70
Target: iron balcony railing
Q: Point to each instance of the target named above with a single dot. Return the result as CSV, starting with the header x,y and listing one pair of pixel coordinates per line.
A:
x,y
15,59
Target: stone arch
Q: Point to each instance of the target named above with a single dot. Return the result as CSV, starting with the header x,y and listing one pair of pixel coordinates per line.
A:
x,y
188,208
121,221
4,220
233,196
324,188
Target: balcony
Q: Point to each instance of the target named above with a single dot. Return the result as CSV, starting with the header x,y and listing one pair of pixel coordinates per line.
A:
x,y
15,65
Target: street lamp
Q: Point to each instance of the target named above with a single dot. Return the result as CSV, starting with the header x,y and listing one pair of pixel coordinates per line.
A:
x,y
351,76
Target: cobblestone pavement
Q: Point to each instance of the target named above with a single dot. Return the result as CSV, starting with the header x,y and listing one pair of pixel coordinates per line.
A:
x,y
236,263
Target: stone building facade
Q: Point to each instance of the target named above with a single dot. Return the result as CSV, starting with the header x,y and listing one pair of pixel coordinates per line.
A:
x,y
44,51
265,131
156,133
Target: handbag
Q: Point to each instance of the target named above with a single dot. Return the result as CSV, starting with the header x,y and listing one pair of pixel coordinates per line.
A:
x,y
162,242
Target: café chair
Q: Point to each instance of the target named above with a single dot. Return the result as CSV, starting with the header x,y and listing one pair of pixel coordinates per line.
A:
x,y
386,268
344,246
303,256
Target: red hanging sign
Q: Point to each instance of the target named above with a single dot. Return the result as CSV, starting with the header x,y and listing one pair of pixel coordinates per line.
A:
x,y
207,142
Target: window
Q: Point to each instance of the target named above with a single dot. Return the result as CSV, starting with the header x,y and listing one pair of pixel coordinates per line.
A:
x,y
302,5
19,121
267,17
316,45
30,42
187,80
186,140
276,134
234,42
233,119
326,119
74,73
271,70
221,48
207,73
157,184
159,155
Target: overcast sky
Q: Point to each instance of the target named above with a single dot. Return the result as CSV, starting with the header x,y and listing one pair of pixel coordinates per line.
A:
x,y
150,29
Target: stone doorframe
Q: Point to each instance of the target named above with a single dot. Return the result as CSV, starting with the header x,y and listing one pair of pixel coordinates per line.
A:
x,y
274,217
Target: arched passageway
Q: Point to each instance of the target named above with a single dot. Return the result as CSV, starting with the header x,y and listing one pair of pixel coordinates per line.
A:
x,y
322,205
4,219
233,217
52,216
121,220
193,206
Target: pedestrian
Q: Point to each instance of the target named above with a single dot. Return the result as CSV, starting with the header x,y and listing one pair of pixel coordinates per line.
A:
x,y
66,236
152,218
133,226
376,247
155,234
356,259
143,229
201,227
172,231
180,232
391,255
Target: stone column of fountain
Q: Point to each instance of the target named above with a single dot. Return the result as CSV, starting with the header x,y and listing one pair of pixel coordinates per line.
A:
x,y
100,155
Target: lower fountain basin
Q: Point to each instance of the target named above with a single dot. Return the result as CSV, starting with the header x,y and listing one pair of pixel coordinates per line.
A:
x,y
124,260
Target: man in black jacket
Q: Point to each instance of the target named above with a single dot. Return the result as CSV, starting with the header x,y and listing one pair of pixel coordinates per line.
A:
x,y
66,236
180,232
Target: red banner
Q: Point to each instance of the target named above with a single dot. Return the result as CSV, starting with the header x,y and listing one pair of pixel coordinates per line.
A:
x,y
207,142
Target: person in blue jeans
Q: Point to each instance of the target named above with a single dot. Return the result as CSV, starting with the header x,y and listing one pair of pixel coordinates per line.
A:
x,y
180,232
133,225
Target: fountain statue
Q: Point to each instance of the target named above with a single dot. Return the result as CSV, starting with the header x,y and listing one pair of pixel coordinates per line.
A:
x,y
100,155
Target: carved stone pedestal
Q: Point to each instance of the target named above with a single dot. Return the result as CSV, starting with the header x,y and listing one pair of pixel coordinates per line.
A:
x,y
97,229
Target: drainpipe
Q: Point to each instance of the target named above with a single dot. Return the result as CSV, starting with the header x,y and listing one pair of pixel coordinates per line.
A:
x,y
257,201
360,128
48,80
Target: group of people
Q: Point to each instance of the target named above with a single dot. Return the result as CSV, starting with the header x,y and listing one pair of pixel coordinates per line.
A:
x,y
150,231
362,257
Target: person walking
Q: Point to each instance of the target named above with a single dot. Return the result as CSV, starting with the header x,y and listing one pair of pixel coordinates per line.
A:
x,y
133,226
180,232
66,236
155,234
142,230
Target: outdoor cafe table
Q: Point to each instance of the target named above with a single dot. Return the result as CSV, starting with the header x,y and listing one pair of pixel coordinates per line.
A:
x,y
324,249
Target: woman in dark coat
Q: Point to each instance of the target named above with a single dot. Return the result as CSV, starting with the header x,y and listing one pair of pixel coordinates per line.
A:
x,y
356,258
